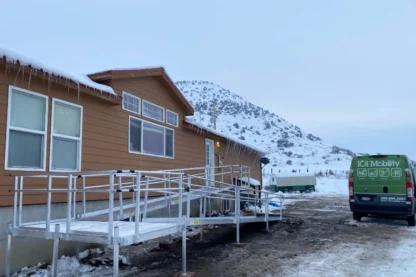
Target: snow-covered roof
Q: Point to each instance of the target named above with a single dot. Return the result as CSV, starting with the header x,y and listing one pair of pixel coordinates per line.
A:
x,y
14,57
253,181
192,121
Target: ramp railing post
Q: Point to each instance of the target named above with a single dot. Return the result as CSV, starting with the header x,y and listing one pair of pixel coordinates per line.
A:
x,y
120,198
267,211
146,195
111,207
137,212
164,186
84,200
281,207
8,250
68,211
21,201
116,248
74,204
180,195
238,214
201,226
184,246
55,251
16,187
169,200
48,208
188,202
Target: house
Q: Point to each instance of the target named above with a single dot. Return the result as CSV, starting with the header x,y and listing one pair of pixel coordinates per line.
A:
x,y
55,121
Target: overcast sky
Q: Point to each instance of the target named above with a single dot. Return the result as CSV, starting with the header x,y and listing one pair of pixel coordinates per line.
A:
x,y
342,70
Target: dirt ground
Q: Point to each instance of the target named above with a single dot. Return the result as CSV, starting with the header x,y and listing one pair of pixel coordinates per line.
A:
x,y
317,237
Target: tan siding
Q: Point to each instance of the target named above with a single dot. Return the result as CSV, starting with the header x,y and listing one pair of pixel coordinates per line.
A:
x,y
105,134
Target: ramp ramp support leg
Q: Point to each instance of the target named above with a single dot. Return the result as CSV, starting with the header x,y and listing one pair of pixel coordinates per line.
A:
x,y
116,252
9,249
55,251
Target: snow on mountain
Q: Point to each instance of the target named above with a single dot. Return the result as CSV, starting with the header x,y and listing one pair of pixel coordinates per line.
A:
x,y
289,147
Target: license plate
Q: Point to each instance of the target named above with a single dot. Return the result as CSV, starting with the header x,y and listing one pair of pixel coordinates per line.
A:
x,y
366,198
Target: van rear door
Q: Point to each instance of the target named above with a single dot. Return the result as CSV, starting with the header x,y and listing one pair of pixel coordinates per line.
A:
x,y
380,183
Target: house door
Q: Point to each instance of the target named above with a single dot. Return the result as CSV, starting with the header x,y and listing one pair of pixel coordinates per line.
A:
x,y
209,161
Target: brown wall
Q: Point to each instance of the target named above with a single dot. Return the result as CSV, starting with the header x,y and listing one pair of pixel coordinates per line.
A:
x,y
105,133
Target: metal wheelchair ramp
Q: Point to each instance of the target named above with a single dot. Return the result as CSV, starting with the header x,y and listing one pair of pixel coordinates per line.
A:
x,y
127,224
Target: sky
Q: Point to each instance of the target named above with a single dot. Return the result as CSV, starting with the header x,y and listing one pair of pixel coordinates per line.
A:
x,y
342,70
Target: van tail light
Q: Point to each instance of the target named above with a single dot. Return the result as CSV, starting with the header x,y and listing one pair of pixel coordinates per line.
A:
x,y
409,186
351,186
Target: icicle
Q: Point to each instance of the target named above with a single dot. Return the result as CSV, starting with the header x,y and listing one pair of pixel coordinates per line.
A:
x,y
23,74
17,75
30,78
78,91
49,82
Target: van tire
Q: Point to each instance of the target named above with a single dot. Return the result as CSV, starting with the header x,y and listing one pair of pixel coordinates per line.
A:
x,y
356,216
411,220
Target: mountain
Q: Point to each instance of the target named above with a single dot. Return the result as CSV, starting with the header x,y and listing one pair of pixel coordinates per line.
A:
x,y
289,147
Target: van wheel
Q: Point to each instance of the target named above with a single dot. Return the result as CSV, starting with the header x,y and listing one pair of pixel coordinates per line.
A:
x,y
411,220
356,216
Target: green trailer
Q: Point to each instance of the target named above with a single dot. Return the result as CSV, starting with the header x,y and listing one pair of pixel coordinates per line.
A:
x,y
291,183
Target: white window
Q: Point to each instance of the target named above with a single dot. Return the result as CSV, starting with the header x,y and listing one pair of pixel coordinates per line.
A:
x,y
151,139
172,118
66,136
27,121
153,111
131,103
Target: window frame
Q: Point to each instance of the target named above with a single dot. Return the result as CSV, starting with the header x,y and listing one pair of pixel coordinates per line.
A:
x,y
177,118
163,113
134,96
141,137
9,127
52,135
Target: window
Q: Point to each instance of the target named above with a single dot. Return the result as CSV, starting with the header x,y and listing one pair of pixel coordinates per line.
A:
x,y
26,130
131,103
151,139
171,118
66,136
153,111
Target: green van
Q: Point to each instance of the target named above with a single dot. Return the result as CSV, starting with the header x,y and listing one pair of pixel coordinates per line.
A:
x,y
382,185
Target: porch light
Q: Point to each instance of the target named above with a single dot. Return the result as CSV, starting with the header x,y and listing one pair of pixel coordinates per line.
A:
x,y
217,144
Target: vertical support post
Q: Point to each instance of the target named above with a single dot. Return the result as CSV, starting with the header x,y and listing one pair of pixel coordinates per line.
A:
x,y
111,207
120,198
170,200
201,233
237,213
16,187
188,202
68,210
267,211
164,186
84,200
137,212
146,196
129,247
9,249
180,195
55,251
133,184
116,248
21,201
74,207
48,207
184,248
